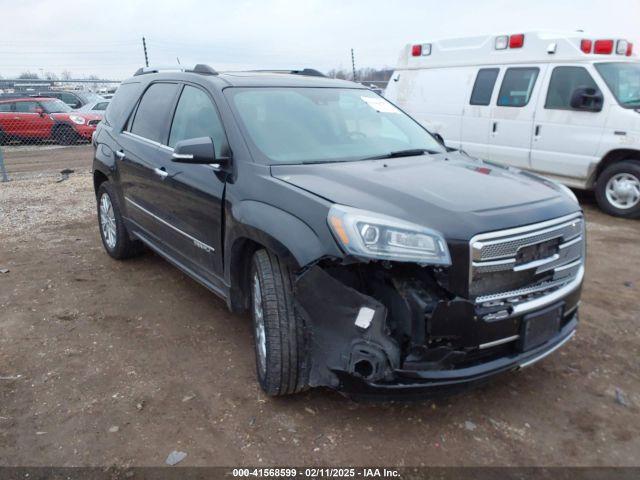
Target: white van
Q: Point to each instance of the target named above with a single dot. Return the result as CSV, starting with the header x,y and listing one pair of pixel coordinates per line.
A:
x,y
563,105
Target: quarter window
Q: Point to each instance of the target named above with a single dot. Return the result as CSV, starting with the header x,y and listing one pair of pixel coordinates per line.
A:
x,y
100,106
517,87
195,117
154,112
564,80
483,87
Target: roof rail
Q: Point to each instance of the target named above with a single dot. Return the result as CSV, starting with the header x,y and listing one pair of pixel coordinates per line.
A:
x,y
200,68
309,72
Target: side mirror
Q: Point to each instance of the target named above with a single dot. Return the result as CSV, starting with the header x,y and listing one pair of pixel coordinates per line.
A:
x,y
40,111
587,99
439,138
198,151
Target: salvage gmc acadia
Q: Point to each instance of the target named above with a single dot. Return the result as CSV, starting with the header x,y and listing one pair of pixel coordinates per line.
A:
x,y
372,258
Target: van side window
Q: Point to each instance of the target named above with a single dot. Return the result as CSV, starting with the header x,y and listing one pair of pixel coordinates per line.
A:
x,y
6,107
564,80
483,87
517,86
154,112
195,117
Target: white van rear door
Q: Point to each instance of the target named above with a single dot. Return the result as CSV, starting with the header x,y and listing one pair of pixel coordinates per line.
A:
x,y
566,140
476,118
513,114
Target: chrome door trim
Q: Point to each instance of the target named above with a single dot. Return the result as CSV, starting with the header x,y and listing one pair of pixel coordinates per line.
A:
x,y
146,140
196,242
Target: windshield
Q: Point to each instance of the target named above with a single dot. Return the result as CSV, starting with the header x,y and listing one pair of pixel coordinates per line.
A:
x,y
55,106
623,79
305,125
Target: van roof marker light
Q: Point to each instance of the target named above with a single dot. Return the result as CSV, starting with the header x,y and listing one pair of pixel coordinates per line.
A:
x,y
603,47
502,42
621,47
516,40
585,45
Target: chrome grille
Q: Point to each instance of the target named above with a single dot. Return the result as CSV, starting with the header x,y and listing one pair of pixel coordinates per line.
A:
x,y
495,274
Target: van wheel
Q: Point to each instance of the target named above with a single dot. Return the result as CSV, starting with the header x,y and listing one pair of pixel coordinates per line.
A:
x,y
281,360
115,238
65,135
618,189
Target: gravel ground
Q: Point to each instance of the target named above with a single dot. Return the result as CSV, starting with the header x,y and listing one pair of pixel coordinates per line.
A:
x,y
120,363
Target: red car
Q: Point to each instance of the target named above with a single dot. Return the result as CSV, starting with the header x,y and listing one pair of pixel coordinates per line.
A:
x,y
38,119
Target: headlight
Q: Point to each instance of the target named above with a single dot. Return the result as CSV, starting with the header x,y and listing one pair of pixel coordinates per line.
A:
x,y
77,119
568,192
367,234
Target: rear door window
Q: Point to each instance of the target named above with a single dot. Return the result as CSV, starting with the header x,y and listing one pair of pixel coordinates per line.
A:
x,y
517,86
564,80
26,107
153,116
483,87
196,116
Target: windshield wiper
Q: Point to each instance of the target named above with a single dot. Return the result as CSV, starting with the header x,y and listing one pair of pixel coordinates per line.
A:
x,y
633,100
411,152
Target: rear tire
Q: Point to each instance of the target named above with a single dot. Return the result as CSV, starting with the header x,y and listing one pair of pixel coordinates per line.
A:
x,y
114,235
281,357
618,189
65,135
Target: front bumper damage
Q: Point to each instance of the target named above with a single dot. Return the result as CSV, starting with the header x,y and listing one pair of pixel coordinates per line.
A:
x,y
394,331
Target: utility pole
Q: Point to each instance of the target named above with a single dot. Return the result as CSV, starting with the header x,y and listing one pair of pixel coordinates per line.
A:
x,y
144,47
3,170
353,65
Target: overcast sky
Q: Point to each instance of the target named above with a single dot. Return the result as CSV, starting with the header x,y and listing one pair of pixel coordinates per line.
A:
x,y
104,37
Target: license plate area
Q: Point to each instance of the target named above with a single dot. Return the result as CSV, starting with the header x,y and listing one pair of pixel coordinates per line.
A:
x,y
540,326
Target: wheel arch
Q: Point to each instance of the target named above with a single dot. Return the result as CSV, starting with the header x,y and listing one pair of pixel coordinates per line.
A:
x,y
610,158
99,178
256,225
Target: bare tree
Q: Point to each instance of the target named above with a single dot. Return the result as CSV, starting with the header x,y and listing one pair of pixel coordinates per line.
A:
x,y
50,76
28,76
66,75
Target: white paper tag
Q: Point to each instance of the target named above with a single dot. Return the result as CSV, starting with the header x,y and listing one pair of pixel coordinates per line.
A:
x,y
380,105
364,318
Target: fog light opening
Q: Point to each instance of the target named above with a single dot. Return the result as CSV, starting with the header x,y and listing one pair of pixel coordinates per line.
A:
x,y
364,368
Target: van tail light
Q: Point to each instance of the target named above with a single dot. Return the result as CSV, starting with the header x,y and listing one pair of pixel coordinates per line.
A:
x,y
629,49
585,45
603,47
516,41
416,50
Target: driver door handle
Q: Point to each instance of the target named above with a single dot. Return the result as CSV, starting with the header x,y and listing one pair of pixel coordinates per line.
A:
x,y
161,172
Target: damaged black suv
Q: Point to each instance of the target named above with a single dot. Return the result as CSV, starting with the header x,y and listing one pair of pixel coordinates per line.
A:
x,y
372,259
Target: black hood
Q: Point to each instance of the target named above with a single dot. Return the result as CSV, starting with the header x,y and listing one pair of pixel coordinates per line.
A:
x,y
452,193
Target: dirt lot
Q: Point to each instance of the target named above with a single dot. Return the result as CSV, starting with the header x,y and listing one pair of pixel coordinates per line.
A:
x,y
119,363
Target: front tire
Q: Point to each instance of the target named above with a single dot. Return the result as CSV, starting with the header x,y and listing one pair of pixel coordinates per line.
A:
x,y
114,235
618,189
281,357
66,135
